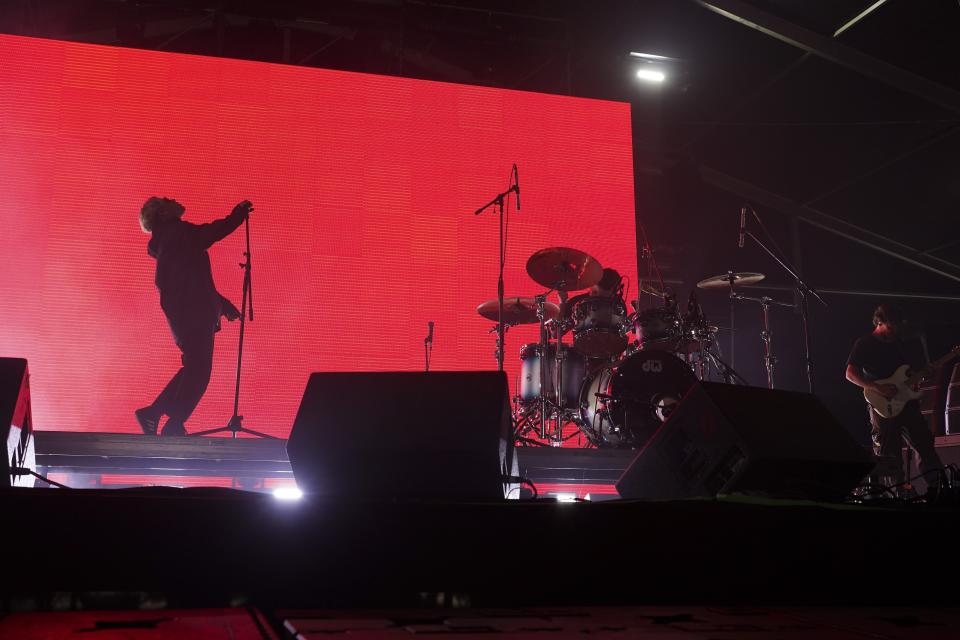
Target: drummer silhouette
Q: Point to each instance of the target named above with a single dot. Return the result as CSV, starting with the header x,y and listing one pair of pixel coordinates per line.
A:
x,y
609,286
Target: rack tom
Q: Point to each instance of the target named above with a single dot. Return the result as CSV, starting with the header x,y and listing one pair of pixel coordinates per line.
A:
x,y
599,329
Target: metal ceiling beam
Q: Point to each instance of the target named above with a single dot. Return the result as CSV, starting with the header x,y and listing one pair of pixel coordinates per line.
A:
x,y
826,222
830,49
932,297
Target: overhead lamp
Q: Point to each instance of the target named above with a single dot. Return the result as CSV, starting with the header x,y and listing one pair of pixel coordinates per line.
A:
x,y
651,75
651,67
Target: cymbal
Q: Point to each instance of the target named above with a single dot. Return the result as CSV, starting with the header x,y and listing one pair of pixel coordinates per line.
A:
x,y
740,279
518,310
564,269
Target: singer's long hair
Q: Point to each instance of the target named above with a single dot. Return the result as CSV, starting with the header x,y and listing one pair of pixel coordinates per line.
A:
x,y
157,208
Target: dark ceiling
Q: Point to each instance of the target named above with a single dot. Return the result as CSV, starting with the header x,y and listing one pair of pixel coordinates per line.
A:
x,y
853,132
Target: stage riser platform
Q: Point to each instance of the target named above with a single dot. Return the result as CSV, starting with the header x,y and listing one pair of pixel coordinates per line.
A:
x,y
251,461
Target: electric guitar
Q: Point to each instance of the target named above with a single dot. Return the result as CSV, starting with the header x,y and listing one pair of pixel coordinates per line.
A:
x,y
906,382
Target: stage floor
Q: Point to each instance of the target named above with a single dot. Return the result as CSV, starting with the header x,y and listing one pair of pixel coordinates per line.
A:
x,y
207,547
644,623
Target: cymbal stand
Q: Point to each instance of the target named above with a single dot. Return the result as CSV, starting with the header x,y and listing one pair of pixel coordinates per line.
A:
x,y
766,335
731,279
499,337
730,375
541,316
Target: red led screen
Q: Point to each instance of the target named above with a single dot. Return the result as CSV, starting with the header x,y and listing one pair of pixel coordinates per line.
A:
x,y
364,188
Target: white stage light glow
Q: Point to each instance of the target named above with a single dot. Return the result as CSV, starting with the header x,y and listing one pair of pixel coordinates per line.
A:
x,y
287,493
650,75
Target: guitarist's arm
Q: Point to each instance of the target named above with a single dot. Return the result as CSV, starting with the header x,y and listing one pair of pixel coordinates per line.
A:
x,y
855,375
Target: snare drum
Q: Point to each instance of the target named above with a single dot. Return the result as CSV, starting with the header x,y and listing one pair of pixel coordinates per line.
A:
x,y
599,326
572,372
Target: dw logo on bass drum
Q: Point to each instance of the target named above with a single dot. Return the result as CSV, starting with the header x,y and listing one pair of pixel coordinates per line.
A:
x,y
652,366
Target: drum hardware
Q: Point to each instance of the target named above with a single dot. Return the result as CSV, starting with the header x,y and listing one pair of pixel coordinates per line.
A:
x,y
652,290
560,269
731,280
766,335
801,289
541,316
516,310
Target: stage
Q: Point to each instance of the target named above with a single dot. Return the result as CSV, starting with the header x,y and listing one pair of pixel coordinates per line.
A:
x,y
123,460
650,403
210,547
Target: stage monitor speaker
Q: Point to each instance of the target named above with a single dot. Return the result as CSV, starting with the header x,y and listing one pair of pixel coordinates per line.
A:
x,y
408,435
724,439
16,422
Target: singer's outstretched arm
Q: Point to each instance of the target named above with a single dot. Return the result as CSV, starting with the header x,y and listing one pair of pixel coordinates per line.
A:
x,y
209,233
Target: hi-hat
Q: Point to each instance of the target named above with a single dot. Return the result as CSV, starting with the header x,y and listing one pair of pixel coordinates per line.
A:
x,y
518,310
740,279
564,269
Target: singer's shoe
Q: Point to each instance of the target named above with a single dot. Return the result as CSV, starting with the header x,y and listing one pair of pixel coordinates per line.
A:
x,y
173,428
149,419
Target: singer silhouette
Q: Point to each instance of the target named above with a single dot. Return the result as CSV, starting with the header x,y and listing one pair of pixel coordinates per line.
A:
x,y
189,300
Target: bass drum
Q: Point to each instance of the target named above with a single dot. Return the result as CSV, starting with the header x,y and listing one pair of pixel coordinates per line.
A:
x,y
624,404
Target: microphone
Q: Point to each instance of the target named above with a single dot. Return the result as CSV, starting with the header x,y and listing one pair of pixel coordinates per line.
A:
x,y
429,337
516,184
743,225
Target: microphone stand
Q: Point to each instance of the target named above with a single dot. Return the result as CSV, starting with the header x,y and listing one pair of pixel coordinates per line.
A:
x,y
646,251
498,202
428,348
235,425
802,290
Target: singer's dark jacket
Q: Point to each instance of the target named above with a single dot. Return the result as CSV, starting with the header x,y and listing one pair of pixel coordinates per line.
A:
x,y
188,296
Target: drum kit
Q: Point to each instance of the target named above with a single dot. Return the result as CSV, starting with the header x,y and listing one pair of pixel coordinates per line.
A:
x,y
586,371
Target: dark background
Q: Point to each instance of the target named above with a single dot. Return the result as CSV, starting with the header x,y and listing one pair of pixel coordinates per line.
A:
x,y
845,147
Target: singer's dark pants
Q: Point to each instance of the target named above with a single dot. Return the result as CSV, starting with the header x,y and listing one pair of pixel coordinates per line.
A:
x,y
909,424
182,394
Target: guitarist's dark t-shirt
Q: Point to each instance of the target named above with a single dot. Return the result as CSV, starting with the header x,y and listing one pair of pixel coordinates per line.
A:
x,y
878,359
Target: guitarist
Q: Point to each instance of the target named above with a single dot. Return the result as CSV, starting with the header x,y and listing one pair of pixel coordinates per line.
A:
x,y
876,356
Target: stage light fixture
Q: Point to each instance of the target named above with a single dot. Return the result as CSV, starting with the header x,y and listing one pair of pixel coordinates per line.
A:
x,y
287,493
652,67
651,75
650,56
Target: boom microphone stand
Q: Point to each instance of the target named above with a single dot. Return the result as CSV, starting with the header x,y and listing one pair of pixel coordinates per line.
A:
x,y
235,425
498,201
802,291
